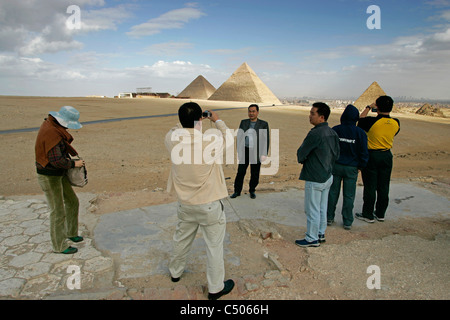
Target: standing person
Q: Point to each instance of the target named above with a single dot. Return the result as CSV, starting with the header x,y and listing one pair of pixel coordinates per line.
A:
x,y
252,148
381,131
353,156
318,153
52,150
199,188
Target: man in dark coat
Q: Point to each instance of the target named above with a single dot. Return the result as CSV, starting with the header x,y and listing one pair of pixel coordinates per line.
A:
x,y
252,148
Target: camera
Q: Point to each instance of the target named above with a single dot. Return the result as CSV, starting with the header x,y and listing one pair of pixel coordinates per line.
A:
x,y
374,109
206,114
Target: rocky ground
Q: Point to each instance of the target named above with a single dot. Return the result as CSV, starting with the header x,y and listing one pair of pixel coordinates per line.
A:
x,y
128,168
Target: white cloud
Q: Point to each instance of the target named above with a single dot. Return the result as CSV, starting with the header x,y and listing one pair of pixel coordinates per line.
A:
x,y
442,36
174,69
175,19
40,45
28,76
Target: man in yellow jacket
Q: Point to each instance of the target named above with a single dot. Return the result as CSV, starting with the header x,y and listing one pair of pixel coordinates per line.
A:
x,y
197,178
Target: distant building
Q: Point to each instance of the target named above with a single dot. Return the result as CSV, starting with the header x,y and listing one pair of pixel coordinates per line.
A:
x,y
127,95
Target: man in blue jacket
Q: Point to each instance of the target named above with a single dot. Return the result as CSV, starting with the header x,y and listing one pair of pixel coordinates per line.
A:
x,y
353,156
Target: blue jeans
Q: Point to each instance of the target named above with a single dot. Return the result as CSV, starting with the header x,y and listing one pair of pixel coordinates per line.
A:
x,y
316,204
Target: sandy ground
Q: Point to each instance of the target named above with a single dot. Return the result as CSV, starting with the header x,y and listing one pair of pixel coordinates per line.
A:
x,y
128,167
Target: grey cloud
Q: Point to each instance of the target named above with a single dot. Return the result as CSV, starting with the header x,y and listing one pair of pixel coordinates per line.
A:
x,y
30,28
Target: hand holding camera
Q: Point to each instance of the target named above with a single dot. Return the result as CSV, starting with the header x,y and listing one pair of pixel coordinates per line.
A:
x,y
211,115
206,114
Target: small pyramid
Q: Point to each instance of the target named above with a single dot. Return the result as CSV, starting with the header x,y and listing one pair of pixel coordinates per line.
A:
x,y
200,88
244,85
369,96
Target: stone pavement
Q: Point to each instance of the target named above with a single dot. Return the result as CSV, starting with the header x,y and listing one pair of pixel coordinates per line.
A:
x,y
135,244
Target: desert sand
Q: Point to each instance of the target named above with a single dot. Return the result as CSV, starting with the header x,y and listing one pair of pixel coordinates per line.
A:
x,y
128,164
129,156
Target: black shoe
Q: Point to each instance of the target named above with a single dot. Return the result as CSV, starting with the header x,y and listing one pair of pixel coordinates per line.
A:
x,y
304,243
252,195
235,195
381,219
228,286
361,217
175,279
76,239
321,238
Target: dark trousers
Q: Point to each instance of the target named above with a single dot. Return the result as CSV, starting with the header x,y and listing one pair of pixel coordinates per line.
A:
x,y
376,178
347,176
255,168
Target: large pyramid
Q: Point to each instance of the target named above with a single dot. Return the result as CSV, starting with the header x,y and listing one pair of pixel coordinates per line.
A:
x,y
200,88
244,85
369,96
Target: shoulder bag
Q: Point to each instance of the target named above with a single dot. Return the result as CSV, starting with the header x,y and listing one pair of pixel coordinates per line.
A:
x,y
77,176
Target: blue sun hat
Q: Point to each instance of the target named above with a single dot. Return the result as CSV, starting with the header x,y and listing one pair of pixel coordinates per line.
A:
x,y
67,117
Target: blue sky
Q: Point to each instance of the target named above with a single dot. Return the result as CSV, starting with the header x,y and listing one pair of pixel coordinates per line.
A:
x,y
320,48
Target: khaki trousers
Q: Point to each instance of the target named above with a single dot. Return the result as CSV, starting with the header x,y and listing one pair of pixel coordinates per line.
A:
x,y
63,205
211,219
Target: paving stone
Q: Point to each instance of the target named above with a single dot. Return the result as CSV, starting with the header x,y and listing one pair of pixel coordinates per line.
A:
x,y
11,287
40,238
14,240
98,264
40,287
7,273
30,270
25,259
10,230
34,270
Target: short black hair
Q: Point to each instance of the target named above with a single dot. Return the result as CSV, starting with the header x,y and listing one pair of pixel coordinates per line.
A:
x,y
189,113
254,105
322,109
385,104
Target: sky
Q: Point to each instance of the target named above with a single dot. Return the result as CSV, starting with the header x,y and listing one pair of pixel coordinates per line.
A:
x,y
322,48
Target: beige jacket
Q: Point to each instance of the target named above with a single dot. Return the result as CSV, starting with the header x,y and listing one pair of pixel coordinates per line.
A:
x,y
192,179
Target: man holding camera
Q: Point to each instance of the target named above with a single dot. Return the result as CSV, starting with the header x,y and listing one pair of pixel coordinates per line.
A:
x,y
199,188
381,131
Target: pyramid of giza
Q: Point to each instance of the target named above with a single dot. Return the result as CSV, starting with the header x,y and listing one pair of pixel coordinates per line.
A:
x,y
369,96
200,88
244,85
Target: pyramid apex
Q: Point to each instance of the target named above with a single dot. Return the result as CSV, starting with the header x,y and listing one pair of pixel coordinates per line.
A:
x,y
373,92
245,85
199,88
